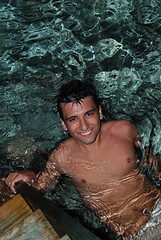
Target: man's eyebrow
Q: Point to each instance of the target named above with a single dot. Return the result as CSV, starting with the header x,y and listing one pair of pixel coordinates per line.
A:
x,y
68,118
91,110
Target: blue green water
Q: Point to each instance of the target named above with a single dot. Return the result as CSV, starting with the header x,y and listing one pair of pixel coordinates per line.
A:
x,y
44,43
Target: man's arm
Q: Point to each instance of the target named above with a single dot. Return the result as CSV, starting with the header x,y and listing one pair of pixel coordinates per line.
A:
x,y
48,178
152,161
149,158
42,181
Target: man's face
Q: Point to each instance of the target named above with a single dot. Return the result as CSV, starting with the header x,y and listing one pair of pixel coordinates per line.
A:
x,y
82,120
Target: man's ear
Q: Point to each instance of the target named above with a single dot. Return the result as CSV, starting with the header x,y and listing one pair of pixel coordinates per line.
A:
x,y
100,112
63,124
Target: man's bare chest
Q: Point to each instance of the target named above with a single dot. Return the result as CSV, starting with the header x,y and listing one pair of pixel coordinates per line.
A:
x,y
93,173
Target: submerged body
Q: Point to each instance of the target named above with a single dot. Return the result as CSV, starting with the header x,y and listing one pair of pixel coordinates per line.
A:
x,y
102,163
107,178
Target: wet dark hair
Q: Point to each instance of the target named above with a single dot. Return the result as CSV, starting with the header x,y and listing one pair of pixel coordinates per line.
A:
x,y
74,91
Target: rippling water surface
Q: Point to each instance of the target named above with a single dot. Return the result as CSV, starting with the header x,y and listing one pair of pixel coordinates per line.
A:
x,y
44,43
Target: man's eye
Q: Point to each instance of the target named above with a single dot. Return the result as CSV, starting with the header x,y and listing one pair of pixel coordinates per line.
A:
x,y
90,114
72,120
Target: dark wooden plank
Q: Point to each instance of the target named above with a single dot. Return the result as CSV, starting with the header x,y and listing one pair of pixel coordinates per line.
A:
x,y
59,219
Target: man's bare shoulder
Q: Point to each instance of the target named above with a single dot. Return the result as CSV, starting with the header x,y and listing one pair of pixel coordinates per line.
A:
x,y
123,127
124,123
116,123
68,144
63,149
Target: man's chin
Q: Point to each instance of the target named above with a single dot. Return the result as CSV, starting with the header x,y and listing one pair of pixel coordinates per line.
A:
x,y
87,141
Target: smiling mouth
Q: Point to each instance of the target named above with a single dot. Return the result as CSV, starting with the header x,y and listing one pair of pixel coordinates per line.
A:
x,y
86,133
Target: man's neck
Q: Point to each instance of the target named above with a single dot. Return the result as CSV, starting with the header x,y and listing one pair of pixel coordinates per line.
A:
x,y
91,146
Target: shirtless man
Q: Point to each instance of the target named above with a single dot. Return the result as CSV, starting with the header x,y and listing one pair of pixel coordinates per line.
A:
x,y
100,159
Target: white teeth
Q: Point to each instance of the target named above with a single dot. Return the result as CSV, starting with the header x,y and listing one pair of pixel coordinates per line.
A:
x,y
86,133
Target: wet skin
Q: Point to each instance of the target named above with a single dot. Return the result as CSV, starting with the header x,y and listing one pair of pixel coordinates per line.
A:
x,y
101,161
82,120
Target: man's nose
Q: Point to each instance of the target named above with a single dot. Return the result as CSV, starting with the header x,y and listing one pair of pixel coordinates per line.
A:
x,y
84,124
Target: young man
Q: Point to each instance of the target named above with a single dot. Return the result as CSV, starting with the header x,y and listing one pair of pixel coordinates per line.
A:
x,y
100,159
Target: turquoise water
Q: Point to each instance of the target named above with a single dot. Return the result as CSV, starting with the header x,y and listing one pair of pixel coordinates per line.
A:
x,y
44,43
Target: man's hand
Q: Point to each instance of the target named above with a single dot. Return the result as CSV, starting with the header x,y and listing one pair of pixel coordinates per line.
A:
x,y
26,176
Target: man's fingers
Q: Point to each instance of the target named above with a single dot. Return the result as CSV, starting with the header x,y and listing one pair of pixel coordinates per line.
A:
x,y
12,187
13,178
